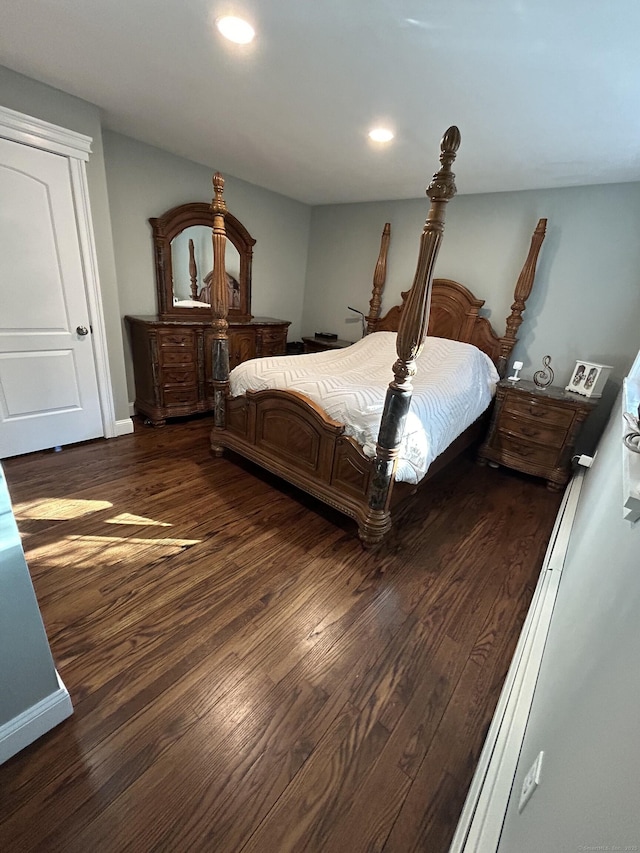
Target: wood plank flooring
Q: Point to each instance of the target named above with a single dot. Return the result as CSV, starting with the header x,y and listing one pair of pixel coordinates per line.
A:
x,y
244,677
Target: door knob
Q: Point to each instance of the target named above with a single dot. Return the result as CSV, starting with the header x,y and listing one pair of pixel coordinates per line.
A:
x,y
82,331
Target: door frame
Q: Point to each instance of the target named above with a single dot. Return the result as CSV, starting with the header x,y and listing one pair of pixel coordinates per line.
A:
x,y
76,147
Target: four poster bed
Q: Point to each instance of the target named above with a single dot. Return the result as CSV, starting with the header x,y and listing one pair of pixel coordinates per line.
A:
x,y
261,413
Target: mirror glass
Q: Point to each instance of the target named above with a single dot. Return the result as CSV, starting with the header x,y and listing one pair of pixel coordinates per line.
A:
x,y
183,247
192,267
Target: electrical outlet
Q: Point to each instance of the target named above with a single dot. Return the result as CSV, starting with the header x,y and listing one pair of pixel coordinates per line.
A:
x,y
530,782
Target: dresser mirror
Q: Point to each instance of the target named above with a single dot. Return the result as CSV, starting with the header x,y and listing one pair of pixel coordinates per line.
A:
x,y
184,263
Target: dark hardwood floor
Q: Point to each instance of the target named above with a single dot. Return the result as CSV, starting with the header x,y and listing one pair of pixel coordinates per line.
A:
x,y
244,677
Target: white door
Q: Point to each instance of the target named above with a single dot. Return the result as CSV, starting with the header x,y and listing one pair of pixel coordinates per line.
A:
x,y
48,385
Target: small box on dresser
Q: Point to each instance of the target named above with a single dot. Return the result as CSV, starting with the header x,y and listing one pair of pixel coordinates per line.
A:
x,y
317,344
534,430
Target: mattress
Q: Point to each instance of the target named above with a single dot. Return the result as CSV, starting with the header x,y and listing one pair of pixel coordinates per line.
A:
x,y
454,384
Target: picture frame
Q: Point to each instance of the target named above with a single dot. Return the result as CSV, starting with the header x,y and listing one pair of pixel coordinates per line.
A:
x,y
588,378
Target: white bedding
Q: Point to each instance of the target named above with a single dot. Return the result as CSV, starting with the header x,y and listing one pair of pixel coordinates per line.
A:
x,y
454,384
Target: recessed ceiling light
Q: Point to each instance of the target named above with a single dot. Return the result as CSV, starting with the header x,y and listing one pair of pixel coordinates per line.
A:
x,y
235,29
381,134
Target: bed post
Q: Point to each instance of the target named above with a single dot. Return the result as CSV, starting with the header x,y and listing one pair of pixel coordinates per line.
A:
x,y
520,296
219,311
379,278
411,334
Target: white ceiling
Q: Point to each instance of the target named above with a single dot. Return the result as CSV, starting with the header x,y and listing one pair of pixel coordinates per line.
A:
x,y
546,93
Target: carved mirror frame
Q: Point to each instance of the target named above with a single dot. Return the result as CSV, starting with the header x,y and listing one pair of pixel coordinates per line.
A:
x,y
172,223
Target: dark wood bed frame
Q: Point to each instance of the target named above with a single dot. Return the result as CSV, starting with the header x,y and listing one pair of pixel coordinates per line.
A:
x,y
289,435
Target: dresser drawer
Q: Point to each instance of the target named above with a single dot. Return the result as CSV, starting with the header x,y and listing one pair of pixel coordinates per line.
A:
x,y
273,342
524,450
175,339
538,409
179,375
273,336
176,356
180,396
531,429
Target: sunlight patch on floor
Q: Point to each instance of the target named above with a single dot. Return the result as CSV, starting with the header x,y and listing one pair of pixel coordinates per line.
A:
x,y
57,509
108,541
61,509
129,518
80,552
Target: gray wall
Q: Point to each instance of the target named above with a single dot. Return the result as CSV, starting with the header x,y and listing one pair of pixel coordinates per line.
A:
x,y
27,672
145,182
585,709
310,263
586,301
35,99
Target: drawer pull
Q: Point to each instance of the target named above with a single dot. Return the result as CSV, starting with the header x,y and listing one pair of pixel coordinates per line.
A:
x,y
523,450
529,432
175,340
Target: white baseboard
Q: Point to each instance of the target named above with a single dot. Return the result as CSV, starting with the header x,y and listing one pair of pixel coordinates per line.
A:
x,y
35,722
123,427
482,817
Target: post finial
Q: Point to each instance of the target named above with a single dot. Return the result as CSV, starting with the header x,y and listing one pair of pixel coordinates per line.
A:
x,y
443,184
218,204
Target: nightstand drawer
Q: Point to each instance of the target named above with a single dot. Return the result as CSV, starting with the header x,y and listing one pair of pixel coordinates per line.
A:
x,y
539,431
523,450
521,406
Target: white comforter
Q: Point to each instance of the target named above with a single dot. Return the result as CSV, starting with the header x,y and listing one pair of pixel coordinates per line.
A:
x,y
454,384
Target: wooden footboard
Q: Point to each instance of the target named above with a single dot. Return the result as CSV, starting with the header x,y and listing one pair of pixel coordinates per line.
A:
x,y
289,435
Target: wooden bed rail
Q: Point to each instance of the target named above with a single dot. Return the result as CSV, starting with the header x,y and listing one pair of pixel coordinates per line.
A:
x,y
410,340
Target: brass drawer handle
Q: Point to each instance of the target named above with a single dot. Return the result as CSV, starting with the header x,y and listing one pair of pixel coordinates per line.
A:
x,y
529,432
537,412
523,450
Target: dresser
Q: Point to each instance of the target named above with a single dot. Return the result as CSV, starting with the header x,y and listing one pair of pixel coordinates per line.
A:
x,y
172,350
172,360
534,430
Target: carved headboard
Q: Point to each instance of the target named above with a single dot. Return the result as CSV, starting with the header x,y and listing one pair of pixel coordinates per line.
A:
x,y
454,309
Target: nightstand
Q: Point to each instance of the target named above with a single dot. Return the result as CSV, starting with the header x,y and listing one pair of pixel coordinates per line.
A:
x,y
323,344
534,430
